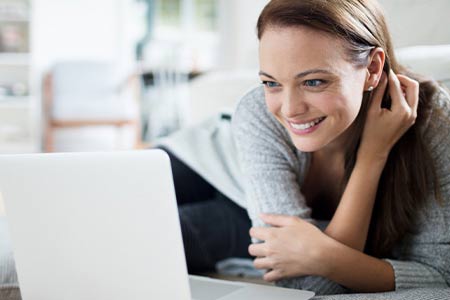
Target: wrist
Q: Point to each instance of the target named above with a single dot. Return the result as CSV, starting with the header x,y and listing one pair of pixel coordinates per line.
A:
x,y
372,160
327,257
332,259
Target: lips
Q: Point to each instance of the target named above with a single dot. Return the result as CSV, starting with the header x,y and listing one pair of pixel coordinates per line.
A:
x,y
306,125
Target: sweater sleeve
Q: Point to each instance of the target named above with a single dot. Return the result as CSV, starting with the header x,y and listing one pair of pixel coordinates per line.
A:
x,y
317,284
424,259
273,172
269,161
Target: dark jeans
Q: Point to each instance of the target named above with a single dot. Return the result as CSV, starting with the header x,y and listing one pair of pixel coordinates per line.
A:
x,y
213,226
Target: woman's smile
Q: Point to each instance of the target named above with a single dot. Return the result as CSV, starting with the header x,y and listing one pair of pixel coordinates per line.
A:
x,y
301,128
312,89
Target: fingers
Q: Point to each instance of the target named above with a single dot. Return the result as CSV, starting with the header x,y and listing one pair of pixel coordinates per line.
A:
x,y
257,250
259,233
396,92
404,91
265,263
278,220
273,275
404,94
411,91
262,263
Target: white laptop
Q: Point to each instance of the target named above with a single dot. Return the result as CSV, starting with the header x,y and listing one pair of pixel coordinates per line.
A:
x,y
98,226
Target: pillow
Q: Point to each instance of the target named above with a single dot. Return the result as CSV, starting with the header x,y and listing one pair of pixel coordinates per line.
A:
x,y
433,61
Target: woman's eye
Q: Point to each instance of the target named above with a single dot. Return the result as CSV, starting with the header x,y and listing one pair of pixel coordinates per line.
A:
x,y
313,82
270,84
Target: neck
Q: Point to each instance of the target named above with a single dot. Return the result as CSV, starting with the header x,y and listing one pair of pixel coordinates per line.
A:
x,y
334,151
337,149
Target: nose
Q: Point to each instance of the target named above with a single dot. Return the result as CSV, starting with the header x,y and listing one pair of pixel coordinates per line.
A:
x,y
293,104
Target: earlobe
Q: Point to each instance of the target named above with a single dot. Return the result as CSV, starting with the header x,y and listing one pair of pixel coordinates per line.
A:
x,y
371,81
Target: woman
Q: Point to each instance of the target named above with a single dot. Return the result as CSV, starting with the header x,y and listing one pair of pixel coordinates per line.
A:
x,y
340,137
343,136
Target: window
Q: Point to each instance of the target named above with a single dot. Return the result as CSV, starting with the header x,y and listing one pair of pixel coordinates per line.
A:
x,y
191,27
169,13
197,15
206,15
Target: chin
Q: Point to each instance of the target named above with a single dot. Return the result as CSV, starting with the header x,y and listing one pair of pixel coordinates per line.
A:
x,y
306,146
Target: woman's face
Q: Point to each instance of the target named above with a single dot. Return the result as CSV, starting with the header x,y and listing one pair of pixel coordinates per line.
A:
x,y
310,87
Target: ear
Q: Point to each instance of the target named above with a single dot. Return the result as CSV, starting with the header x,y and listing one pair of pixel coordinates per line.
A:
x,y
374,68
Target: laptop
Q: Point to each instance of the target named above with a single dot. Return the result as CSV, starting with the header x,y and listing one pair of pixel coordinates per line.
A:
x,y
104,226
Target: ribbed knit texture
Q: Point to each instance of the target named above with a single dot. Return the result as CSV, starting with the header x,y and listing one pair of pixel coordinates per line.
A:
x,y
274,170
410,294
10,293
8,277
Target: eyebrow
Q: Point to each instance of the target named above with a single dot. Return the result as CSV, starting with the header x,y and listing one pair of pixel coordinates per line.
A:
x,y
302,74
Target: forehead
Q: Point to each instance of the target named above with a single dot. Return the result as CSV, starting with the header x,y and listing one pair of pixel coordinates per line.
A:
x,y
296,49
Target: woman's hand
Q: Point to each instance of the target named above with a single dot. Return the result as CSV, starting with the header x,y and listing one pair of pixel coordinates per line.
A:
x,y
384,127
293,247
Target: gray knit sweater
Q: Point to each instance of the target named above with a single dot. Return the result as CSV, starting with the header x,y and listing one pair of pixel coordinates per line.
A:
x,y
274,171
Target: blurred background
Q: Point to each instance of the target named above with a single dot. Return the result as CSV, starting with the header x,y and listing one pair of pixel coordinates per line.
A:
x,y
91,75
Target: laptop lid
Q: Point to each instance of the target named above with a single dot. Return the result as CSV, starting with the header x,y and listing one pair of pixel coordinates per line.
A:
x,y
94,226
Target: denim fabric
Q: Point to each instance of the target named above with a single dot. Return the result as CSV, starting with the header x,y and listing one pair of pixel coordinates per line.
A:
x,y
213,227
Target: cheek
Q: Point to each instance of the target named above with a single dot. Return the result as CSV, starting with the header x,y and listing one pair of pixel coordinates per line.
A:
x,y
328,103
273,103
349,106
354,94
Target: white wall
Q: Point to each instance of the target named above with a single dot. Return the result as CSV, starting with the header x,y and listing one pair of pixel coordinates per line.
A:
x,y
102,29
238,31
412,22
418,22
62,30
81,29
107,29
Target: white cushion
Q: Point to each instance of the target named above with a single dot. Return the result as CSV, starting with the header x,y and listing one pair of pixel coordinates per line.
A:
x,y
83,77
84,90
418,22
94,138
89,107
433,61
217,91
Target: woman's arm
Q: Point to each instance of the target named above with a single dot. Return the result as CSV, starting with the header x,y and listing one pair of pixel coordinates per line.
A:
x,y
350,223
294,248
383,128
269,161
356,270
376,275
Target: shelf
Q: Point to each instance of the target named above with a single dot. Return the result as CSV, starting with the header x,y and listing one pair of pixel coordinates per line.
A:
x,y
14,11
17,113
14,20
14,59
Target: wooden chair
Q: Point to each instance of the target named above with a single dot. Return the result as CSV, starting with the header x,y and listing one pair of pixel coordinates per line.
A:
x,y
88,94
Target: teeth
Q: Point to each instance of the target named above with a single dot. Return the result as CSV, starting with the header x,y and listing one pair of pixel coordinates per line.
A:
x,y
307,125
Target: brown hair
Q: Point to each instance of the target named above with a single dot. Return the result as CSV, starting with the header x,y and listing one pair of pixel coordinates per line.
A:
x,y
409,174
